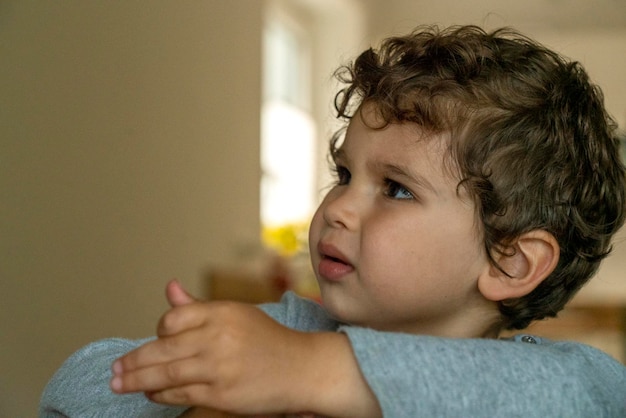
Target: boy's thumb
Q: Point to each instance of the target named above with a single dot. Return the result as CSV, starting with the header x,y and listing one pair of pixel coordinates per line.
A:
x,y
176,295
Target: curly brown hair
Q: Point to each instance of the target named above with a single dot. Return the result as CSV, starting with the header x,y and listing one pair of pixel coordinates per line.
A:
x,y
530,140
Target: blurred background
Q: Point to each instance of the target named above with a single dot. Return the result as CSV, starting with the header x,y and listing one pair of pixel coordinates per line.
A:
x,y
144,141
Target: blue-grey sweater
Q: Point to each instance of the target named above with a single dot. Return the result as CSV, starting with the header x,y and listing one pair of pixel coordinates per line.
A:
x,y
411,375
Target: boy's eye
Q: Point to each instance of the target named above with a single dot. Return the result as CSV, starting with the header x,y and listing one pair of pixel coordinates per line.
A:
x,y
397,191
343,175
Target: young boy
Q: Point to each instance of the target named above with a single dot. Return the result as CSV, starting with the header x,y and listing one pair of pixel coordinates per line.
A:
x,y
478,188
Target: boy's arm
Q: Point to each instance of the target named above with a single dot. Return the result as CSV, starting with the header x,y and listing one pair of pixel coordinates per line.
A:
x,y
429,376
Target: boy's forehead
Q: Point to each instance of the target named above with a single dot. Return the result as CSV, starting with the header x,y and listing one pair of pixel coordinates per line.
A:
x,y
369,114
367,123
402,143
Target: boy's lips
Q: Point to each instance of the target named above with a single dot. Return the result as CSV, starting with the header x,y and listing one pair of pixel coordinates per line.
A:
x,y
333,264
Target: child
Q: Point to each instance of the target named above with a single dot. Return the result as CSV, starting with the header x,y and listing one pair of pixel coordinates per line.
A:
x,y
478,187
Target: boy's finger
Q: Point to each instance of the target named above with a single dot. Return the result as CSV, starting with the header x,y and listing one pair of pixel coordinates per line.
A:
x,y
177,295
158,377
182,318
192,394
159,351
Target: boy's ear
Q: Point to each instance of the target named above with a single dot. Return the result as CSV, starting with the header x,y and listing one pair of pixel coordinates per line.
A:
x,y
527,262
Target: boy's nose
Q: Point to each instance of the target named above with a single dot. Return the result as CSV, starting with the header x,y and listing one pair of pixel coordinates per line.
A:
x,y
342,209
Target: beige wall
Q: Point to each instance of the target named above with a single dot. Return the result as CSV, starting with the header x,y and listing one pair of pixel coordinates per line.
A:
x,y
129,155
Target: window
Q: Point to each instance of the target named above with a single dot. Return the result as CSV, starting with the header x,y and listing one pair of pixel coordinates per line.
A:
x,y
288,132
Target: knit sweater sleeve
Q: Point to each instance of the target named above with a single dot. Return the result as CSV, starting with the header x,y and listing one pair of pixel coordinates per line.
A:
x,y
420,376
80,388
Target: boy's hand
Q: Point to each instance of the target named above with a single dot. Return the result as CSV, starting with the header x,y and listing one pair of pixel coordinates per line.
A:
x,y
232,357
224,355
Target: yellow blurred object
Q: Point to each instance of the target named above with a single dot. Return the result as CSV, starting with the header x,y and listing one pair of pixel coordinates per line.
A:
x,y
291,243
288,239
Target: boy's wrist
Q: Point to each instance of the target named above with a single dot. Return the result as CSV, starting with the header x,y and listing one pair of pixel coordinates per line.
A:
x,y
331,383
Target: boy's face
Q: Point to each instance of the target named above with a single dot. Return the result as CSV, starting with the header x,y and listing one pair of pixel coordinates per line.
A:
x,y
395,244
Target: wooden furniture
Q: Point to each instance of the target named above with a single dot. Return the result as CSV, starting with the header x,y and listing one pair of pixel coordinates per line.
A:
x,y
233,284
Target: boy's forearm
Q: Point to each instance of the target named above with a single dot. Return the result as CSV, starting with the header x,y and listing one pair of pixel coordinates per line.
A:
x,y
327,381
334,385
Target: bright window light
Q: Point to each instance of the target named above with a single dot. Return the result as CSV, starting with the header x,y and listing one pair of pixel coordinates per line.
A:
x,y
288,130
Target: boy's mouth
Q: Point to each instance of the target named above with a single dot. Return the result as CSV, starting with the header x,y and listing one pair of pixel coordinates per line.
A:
x,y
333,264
335,259
330,252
